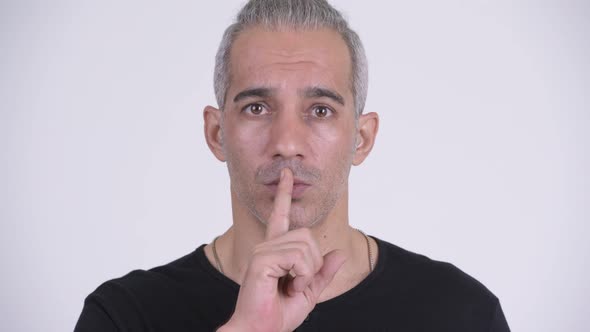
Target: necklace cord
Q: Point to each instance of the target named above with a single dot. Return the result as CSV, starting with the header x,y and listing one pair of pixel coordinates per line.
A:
x,y
369,251
217,261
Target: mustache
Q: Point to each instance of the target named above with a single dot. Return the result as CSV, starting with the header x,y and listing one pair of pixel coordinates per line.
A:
x,y
271,172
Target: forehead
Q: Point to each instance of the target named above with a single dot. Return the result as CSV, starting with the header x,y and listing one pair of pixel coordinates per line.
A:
x,y
290,59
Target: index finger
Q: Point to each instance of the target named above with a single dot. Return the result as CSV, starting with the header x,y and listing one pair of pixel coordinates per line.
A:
x,y
278,222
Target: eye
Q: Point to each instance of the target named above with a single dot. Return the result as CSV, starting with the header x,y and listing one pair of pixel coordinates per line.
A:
x,y
255,109
322,112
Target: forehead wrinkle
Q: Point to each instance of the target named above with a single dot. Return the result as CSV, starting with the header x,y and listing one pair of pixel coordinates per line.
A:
x,y
295,65
274,68
284,53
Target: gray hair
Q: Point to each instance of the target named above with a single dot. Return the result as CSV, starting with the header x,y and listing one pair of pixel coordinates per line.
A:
x,y
296,14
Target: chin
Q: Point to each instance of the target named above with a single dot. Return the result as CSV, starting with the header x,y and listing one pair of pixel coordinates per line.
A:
x,y
300,218
302,224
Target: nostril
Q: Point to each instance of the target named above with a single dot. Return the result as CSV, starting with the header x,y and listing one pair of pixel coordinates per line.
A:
x,y
284,158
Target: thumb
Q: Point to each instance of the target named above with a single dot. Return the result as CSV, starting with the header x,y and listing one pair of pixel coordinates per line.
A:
x,y
333,261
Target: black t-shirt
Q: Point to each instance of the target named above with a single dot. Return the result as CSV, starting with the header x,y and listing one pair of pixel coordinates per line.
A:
x,y
405,292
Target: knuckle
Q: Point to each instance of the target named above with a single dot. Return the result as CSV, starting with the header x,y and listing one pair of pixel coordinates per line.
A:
x,y
306,233
306,248
302,262
299,254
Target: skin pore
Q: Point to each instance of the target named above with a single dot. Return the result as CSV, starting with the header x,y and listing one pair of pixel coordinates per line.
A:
x,y
290,105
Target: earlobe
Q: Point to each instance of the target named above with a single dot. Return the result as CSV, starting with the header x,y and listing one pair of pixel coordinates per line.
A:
x,y
213,132
367,132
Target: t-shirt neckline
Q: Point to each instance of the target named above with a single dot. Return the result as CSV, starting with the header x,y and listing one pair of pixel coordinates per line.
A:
x,y
369,279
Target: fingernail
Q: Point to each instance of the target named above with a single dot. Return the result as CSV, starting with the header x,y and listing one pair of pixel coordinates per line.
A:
x,y
282,173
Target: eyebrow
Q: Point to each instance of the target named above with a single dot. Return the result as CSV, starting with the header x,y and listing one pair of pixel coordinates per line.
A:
x,y
319,92
260,92
311,92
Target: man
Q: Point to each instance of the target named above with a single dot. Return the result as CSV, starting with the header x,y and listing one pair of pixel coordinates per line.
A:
x,y
291,83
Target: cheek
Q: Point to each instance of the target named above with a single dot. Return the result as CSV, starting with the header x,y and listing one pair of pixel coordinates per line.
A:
x,y
246,140
330,142
243,149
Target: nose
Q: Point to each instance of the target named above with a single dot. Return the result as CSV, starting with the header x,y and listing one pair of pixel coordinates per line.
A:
x,y
289,134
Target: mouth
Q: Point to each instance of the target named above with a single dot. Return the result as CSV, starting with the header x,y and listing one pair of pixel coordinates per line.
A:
x,y
299,188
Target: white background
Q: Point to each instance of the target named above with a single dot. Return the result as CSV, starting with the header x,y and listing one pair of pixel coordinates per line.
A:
x,y
482,156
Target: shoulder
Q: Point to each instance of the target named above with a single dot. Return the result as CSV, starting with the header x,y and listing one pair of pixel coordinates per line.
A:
x,y
130,300
178,272
440,289
186,294
438,277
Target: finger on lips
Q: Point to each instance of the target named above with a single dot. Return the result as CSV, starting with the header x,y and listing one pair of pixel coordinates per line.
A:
x,y
296,252
278,222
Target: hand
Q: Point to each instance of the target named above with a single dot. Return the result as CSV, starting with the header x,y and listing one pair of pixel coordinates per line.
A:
x,y
286,273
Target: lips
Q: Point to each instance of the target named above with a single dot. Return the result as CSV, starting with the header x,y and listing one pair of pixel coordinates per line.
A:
x,y
299,188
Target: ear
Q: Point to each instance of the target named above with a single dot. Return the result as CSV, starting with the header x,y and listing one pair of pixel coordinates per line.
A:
x,y
368,125
213,133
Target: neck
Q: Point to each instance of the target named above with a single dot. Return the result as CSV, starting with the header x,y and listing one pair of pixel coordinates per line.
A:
x,y
334,232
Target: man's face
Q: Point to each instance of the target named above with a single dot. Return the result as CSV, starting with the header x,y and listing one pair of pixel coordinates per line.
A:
x,y
289,104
